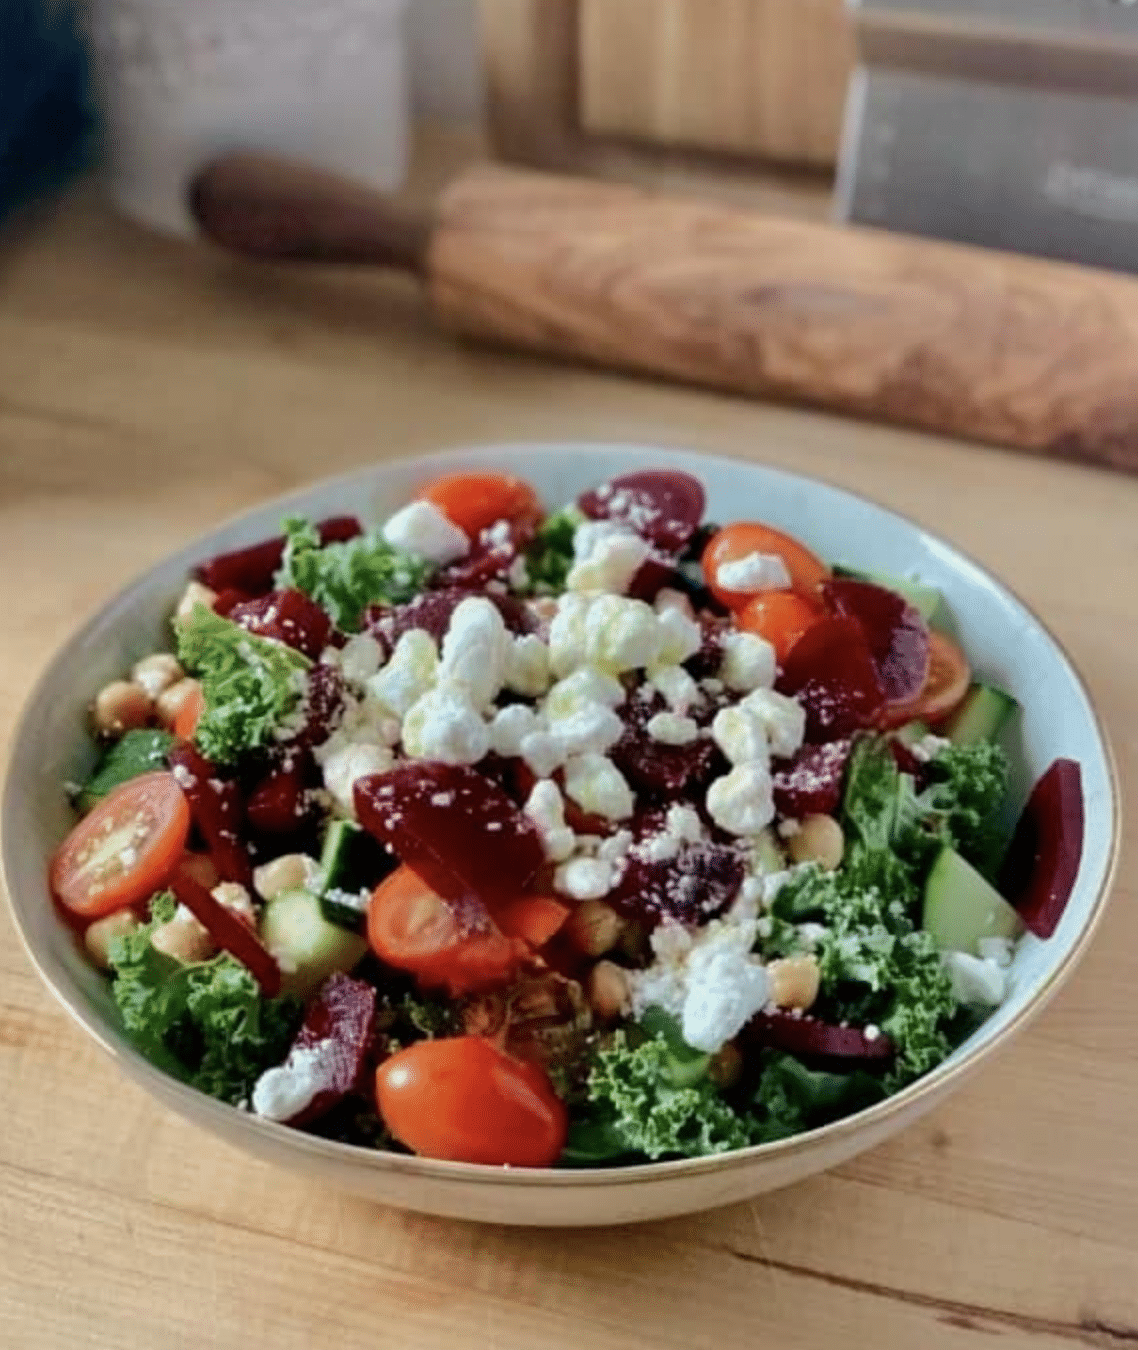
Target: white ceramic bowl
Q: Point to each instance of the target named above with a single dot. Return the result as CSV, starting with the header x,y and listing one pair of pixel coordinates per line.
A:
x,y
1006,642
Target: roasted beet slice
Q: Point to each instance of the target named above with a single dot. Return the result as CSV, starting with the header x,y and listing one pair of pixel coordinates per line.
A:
x,y
323,706
218,810
227,930
278,804
830,671
228,600
251,570
339,1028
457,830
665,506
811,783
813,1039
897,634
432,611
706,663
1042,863
288,616
493,554
662,770
693,887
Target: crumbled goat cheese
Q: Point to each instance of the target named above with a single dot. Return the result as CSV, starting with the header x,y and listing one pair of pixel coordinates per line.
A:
x,y
590,730
666,598
342,768
583,689
928,747
756,572
585,878
683,823
360,658
475,651
740,735
422,529
408,675
748,662
444,725
742,801
567,640
284,1092
545,808
679,637
621,634
783,719
671,728
510,727
598,786
679,691
974,980
607,557
527,666
997,949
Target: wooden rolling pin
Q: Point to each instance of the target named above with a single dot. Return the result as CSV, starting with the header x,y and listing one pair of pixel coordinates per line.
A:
x,y
989,346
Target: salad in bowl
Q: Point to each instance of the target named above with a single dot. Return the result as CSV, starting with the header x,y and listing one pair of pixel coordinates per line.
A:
x,y
557,835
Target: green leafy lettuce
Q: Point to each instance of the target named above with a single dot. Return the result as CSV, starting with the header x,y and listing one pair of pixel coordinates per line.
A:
x,y
207,1022
253,686
136,753
792,1098
549,556
344,578
654,1099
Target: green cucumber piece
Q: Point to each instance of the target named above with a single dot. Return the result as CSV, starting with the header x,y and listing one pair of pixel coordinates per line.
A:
x,y
912,733
961,907
925,598
308,947
335,856
981,716
138,752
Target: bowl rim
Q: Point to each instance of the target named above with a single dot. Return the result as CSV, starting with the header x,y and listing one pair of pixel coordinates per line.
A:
x,y
936,1082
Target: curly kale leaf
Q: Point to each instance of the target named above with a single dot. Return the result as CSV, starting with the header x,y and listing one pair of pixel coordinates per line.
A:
x,y
205,1022
549,556
344,578
792,1098
252,686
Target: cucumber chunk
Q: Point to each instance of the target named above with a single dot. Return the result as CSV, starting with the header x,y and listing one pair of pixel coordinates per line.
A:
x,y
926,599
308,947
961,907
981,716
336,855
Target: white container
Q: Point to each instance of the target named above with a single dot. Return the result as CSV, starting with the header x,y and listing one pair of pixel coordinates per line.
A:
x,y
179,81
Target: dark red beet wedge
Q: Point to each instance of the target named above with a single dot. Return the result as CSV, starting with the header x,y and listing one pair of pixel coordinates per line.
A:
x,y
695,886
669,771
218,810
663,506
432,611
288,616
251,570
453,827
811,783
831,672
809,1037
1042,863
278,804
340,1024
897,634
490,558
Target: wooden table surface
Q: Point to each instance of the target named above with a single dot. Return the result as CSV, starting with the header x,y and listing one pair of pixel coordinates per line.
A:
x,y
148,389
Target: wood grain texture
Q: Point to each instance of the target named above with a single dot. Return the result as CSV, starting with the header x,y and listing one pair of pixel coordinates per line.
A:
x,y
761,78
971,343
147,389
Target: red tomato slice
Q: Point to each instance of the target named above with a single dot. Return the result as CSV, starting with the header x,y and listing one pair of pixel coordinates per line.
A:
x,y
735,542
464,1100
125,849
472,501
534,918
442,943
781,617
189,714
944,689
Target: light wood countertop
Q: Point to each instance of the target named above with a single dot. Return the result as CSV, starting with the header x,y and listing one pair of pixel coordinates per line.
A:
x,y
147,389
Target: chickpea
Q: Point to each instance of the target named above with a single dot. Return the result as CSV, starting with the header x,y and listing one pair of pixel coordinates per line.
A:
x,y
606,989
98,937
156,673
171,701
120,707
818,839
794,982
184,939
594,927
235,898
194,594
289,872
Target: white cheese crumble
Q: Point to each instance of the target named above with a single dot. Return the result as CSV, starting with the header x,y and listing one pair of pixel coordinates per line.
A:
x,y
408,675
590,730
679,691
666,598
928,747
607,557
621,634
422,529
444,725
742,801
753,573
671,728
598,787
510,727
284,1092
680,637
343,767
545,808
475,651
583,689
783,720
360,658
527,666
585,878
974,980
740,735
748,662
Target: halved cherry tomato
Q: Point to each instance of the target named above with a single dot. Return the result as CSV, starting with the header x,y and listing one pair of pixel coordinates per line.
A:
x,y
464,1100
474,500
781,617
125,849
945,687
412,928
735,542
189,714
534,918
